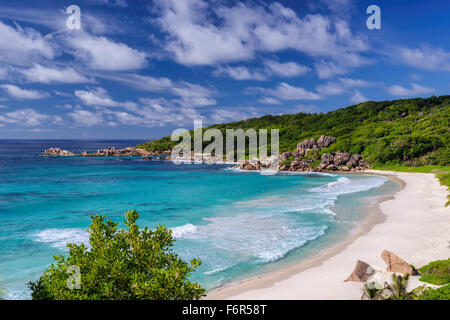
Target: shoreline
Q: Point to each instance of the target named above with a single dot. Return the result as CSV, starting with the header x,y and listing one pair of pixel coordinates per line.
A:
x,y
312,278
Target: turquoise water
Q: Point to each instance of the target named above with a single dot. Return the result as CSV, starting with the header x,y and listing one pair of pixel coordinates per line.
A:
x,y
239,223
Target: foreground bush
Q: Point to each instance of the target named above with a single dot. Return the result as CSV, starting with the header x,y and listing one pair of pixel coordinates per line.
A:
x,y
436,272
120,265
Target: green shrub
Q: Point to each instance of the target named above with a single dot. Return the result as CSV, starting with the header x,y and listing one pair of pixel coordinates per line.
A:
x,y
444,178
436,272
442,293
122,264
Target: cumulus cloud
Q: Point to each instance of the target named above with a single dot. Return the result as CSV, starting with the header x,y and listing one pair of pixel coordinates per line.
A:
x,y
285,91
48,75
96,97
415,90
269,100
286,69
306,109
271,68
190,93
342,85
425,57
241,73
19,93
224,115
86,118
100,53
25,117
358,97
21,45
200,33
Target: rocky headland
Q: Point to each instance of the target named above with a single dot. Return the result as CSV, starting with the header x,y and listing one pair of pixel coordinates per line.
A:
x,y
106,152
303,159
298,161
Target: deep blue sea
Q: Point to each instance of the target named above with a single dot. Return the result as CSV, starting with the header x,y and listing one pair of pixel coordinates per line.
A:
x,y
239,224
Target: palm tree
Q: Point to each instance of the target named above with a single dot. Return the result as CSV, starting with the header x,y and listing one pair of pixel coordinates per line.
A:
x,y
371,292
398,289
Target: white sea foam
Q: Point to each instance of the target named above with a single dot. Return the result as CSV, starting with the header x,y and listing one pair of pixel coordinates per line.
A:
x,y
181,231
344,185
215,270
59,238
266,236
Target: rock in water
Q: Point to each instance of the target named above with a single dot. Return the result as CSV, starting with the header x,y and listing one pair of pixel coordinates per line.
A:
x,y
396,264
361,273
57,152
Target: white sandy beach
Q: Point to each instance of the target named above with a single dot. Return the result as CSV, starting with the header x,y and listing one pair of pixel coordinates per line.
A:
x,y
414,224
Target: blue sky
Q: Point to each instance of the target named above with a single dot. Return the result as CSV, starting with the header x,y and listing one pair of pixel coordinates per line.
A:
x,y
140,69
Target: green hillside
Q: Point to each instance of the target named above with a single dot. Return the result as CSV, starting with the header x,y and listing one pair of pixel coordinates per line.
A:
x,y
410,132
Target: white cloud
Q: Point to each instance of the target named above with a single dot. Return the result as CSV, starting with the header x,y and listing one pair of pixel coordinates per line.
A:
x,y
286,69
306,108
26,117
355,83
285,91
425,57
330,88
20,46
329,69
189,93
3,107
96,97
341,86
358,97
86,118
101,53
42,74
271,67
241,73
269,100
416,90
200,33
224,115
20,93
195,101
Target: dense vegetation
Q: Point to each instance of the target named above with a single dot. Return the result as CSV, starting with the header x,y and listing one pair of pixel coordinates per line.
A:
x,y
436,272
411,132
444,178
442,293
120,265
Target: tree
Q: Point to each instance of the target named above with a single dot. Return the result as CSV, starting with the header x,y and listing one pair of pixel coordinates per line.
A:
x,y
120,264
372,292
398,289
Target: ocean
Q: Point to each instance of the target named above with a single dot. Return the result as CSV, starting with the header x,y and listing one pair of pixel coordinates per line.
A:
x,y
240,224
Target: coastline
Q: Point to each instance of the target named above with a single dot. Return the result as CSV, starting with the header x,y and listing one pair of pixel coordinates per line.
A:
x,y
397,223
